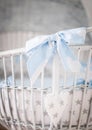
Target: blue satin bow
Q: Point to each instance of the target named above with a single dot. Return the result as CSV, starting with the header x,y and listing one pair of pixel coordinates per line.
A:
x,y
41,49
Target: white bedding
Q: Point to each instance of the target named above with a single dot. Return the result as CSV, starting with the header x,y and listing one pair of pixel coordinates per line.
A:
x,y
37,106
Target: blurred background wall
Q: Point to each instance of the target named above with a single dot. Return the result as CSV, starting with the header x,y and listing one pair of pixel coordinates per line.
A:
x,y
88,9
21,20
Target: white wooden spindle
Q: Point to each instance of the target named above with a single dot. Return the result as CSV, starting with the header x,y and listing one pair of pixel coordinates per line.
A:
x,y
32,105
75,81
4,67
55,80
55,75
21,69
72,105
22,85
12,67
14,90
42,99
5,89
4,111
89,114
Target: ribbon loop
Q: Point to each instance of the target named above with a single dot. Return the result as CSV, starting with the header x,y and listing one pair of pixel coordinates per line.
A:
x,y
41,49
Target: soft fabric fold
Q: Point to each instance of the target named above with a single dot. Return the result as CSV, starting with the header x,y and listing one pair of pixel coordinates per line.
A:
x,y
41,49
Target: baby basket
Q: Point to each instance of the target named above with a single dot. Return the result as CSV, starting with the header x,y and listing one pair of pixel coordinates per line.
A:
x,y
29,105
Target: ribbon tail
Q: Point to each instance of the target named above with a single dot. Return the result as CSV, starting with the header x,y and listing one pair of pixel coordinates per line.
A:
x,y
69,61
38,60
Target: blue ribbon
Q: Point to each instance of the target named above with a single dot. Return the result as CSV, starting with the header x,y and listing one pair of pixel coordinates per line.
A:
x,y
43,48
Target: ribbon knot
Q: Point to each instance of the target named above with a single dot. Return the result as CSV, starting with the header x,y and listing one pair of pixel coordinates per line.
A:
x,y
41,49
52,42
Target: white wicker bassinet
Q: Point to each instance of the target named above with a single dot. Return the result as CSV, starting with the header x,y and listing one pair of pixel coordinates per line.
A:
x,y
22,104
